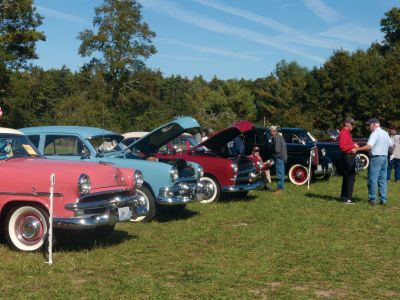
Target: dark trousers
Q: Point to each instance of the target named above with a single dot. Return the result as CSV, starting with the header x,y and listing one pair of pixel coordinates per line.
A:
x,y
394,163
349,175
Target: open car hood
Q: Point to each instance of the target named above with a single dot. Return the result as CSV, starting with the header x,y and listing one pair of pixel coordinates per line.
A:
x,y
223,137
152,141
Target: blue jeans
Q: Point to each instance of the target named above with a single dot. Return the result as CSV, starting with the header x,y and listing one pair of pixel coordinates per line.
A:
x,y
395,162
280,173
377,176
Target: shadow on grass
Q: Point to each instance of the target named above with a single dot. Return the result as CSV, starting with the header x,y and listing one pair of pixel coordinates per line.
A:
x,y
174,213
237,197
328,197
74,240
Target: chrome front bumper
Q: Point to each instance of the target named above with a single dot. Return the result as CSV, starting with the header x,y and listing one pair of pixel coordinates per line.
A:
x,y
93,214
323,169
242,187
180,193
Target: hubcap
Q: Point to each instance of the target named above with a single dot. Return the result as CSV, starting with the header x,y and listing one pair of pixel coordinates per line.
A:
x,y
299,174
208,190
29,229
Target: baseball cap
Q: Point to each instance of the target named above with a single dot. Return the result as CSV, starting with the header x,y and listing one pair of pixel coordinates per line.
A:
x,y
372,121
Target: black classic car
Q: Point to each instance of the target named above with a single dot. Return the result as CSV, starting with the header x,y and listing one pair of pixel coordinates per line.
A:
x,y
329,141
302,148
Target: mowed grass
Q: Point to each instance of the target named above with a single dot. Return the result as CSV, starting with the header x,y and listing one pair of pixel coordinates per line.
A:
x,y
301,244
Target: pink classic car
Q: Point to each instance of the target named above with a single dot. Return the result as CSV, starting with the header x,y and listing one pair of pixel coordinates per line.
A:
x,y
86,195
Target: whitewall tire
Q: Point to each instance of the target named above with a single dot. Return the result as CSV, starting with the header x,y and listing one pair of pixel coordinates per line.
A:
x,y
298,174
211,189
26,228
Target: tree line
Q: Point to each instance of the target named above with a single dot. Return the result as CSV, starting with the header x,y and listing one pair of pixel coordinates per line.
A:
x,y
117,91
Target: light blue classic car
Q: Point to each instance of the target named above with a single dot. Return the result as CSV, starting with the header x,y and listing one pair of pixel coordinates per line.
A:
x,y
168,184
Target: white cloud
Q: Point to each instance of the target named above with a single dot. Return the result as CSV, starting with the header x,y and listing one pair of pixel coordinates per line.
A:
x,y
48,12
322,11
354,33
217,51
292,35
220,27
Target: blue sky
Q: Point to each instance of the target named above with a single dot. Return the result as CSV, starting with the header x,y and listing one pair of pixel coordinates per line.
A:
x,y
230,39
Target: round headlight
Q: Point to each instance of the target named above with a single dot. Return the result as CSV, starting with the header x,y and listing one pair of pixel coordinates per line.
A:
x,y
84,184
200,172
174,174
323,151
138,178
234,168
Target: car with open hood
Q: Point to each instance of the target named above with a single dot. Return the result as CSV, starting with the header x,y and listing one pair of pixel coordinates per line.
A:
x,y
86,195
165,184
223,172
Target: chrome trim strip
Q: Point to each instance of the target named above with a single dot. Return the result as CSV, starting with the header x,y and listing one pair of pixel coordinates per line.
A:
x,y
38,194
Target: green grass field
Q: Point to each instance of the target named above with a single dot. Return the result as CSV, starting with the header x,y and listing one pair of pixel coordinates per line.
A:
x,y
301,244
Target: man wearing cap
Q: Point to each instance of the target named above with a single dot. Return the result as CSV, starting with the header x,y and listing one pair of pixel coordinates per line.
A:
x,y
379,144
280,155
347,146
394,158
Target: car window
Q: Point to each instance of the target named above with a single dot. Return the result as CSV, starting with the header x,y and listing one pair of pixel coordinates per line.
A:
x,y
291,138
107,143
184,142
64,145
16,146
35,138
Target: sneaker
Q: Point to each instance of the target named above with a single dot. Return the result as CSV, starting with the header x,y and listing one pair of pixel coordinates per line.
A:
x,y
383,203
371,202
349,202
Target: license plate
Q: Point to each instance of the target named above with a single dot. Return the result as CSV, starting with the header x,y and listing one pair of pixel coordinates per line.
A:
x,y
124,213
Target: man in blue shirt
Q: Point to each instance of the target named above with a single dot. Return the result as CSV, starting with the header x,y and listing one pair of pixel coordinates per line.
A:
x,y
379,143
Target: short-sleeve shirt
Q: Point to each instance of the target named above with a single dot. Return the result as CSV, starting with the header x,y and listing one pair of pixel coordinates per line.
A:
x,y
380,142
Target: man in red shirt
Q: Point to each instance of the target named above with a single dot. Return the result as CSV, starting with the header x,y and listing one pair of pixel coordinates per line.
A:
x,y
347,146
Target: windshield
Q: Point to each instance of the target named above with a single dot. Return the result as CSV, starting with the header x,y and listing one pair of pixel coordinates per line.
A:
x,y
107,143
181,143
16,146
309,137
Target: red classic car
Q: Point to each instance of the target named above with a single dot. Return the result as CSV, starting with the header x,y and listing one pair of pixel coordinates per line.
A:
x,y
223,172
86,195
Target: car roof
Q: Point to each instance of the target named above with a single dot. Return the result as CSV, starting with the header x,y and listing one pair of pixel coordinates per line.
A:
x,y
10,131
84,131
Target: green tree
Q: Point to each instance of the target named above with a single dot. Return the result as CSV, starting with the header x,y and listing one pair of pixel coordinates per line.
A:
x,y
18,35
122,39
390,26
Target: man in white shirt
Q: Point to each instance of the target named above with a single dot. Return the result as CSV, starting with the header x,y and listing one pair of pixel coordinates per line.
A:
x,y
394,159
379,144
